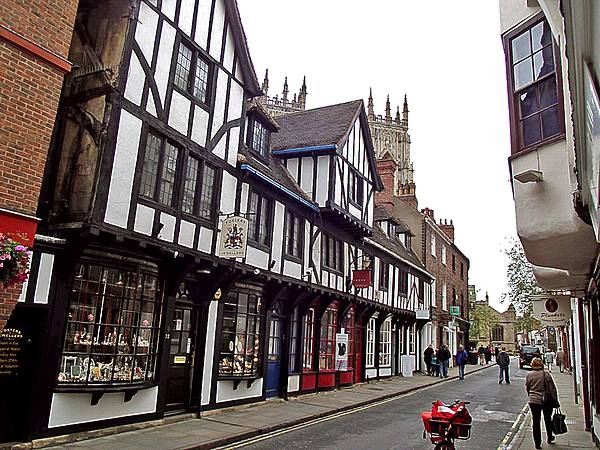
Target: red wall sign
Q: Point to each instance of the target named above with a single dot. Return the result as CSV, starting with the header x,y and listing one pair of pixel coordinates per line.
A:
x,y
22,227
361,278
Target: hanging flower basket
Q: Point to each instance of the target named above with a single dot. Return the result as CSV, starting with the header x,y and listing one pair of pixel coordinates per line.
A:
x,y
14,261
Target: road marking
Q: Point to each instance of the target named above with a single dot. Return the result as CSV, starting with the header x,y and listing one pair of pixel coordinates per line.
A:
x,y
515,426
273,434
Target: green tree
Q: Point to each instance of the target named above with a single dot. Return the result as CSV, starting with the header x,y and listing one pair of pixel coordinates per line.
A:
x,y
521,286
483,320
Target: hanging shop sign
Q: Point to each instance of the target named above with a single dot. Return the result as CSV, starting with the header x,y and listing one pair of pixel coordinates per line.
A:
x,y
341,352
552,310
234,237
20,226
361,278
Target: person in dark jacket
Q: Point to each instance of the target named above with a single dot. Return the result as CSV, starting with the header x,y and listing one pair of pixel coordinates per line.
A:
x,y
488,354
443,357
503,361
427,354
537,383
481,352
461,360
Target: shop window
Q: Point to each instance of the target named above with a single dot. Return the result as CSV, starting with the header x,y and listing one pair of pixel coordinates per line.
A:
x,y
191,73
349,326
241,334
309,326
385,343
533,71
370,350
112,327
259,218
294,235
294,341
327,344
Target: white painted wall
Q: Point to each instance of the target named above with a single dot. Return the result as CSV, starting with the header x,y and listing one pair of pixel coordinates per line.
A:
x,y
209,352
225,391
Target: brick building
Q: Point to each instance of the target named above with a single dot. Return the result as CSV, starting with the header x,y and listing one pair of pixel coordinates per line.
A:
x,y
34,41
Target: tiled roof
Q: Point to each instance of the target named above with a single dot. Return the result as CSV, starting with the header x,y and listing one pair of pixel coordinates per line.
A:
x,y
319,126
385,212
394,246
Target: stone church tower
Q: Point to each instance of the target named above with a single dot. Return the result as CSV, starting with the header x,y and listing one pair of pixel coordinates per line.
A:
x,y
392,150
280,106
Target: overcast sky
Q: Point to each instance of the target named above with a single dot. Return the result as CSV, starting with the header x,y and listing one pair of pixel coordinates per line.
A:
x,y
447,58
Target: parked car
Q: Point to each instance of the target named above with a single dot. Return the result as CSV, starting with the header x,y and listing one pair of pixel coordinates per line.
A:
x,y
527,353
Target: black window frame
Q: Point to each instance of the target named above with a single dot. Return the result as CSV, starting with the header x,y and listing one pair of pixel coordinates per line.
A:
x,y
403,282
202,207
190,89
264,149
517,135
355,187
158,177
332,251
384,275
255,223
294,233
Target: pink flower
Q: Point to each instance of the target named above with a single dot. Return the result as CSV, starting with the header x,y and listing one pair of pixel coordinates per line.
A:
x,y
20,248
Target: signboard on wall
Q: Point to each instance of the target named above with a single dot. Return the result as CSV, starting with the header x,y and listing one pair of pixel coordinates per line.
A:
x,y
422,314
361,278
234,237
341,352
455,310
552,310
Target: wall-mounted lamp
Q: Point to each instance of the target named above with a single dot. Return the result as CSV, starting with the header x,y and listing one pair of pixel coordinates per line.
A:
x,y
529,176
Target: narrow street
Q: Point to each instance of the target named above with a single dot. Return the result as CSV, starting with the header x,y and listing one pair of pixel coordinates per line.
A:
x,y
397,424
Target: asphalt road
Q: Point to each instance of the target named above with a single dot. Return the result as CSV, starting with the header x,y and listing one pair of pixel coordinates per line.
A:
x,y
397,424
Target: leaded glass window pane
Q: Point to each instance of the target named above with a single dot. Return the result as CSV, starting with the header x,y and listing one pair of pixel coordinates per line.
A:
x,y
206,196
201,80
189,190
182,69
167,181
150,168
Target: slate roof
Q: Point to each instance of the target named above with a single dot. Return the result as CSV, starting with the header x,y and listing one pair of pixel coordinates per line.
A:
x,y
394,246
384,212
320,126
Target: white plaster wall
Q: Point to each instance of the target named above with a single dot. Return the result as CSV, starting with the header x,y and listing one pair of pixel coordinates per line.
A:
x,y
200,126
205,240
144,218
163,62
121,179
322,180
187,231
236,100
229,51
135,81
168,8
150,106
202,22
209,352
514,12
220,147
354,211
180,112
42,286
145,30
234,143
306,183
168,230
228,186
257,258
216,36
293,383
292,167
71,408
220,98
278,235
186,16
225,391
339,176
292,269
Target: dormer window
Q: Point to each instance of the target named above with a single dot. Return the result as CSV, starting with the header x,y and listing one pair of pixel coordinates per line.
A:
x,y
407,240
259,137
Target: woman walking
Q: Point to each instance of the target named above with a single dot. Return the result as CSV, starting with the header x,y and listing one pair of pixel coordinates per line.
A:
x,y
539,385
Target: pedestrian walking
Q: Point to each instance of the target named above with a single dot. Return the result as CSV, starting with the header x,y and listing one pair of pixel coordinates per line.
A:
x,y
427,354
539,385
443,357
481,352
549,359
503,361
488,354
560,360
461,360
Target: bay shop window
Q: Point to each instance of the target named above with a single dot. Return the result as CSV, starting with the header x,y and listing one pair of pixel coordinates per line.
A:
x,y
112,327
370,349
308,333
385,343
327,344
349,329
240,349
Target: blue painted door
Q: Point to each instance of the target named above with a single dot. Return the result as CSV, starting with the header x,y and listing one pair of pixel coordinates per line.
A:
x,y
274,355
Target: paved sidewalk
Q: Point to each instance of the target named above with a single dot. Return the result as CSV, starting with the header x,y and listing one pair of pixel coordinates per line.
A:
x,y
575,438
230,425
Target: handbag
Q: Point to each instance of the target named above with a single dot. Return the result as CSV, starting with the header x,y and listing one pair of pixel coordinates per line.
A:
x,y
548,399
558,422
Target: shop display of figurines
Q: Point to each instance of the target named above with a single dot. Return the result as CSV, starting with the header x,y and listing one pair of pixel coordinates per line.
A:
x,y
81,370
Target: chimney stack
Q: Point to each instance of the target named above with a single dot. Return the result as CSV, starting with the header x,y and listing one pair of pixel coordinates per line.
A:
x,y
448,229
